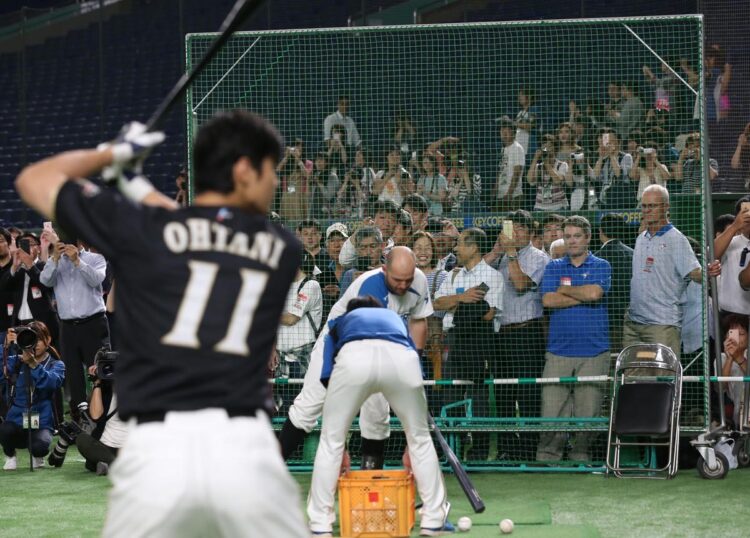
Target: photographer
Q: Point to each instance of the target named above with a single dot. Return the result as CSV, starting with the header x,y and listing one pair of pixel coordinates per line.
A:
x,y
301,322
550,176
611,172
647,169
77,275
101,451
689,169
31,300
34,376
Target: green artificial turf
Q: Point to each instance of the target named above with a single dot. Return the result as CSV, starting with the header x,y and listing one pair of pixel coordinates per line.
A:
x,y
70,502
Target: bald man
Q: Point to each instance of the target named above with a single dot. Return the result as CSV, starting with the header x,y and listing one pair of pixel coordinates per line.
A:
x,y
400,287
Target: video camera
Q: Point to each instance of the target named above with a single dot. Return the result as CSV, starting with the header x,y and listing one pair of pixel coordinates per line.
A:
x,y
105,364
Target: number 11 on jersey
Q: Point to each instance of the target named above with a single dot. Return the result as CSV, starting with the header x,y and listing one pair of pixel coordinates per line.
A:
x,y
184,332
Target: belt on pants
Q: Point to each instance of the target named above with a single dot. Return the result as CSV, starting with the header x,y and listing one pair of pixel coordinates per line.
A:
x,y
159,416
81,321
521,325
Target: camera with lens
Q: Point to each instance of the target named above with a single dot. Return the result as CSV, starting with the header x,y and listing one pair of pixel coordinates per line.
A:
x,y
105,364
67,433
577,156
26,337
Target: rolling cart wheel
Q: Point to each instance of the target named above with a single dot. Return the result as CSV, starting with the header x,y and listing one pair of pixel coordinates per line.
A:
x,y
743,455
721,470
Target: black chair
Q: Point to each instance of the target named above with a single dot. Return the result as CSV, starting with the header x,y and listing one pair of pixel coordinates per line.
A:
x,y
645,409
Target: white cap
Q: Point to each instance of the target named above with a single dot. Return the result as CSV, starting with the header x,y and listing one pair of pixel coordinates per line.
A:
x,y
337,227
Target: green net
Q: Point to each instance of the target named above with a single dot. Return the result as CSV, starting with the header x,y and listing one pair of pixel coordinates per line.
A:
x,y
458,131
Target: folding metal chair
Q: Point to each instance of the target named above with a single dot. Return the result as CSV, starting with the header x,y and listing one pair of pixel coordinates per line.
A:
x,y
645,409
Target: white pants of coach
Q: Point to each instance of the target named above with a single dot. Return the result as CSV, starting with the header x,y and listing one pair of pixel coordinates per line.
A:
x,y
365,367
202,473
374,419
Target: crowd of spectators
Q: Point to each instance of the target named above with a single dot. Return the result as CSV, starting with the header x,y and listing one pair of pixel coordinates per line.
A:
x,y
510,304
545,295
55,296
600,157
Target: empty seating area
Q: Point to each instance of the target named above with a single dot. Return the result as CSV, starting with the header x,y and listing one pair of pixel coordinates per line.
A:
x,y
79,91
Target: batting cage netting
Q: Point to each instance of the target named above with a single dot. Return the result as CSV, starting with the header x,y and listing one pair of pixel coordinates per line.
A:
x,y
501,153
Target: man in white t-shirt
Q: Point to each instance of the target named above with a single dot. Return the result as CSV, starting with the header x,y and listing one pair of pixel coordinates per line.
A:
x,y
732,247
300,324
100,453
399,286
510,169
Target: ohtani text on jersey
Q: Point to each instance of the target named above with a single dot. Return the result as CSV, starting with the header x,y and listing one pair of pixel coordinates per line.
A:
x,y
201,235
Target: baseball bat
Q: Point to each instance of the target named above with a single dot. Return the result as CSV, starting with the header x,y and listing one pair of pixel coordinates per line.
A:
x,y
239,12
463,478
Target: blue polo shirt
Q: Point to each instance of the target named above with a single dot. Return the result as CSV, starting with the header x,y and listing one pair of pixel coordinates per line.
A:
x,y
362,324
582,330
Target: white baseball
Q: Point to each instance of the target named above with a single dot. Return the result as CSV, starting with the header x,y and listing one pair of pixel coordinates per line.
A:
x,y
464,523
506,526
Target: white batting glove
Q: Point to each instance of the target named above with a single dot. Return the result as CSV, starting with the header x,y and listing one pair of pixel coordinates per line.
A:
x,y
129,150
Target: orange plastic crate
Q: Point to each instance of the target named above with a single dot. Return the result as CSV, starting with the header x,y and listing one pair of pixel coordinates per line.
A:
x,y
376,504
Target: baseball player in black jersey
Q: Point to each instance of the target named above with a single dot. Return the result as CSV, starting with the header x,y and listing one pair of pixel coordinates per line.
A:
x,y
200,292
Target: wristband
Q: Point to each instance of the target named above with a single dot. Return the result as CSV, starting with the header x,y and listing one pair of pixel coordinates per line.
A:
x,y
135,189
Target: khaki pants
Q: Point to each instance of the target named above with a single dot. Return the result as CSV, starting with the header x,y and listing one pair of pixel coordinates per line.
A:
x,y
579,400
640,333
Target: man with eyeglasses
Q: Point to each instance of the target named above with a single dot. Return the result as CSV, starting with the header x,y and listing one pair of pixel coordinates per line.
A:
x,y
663,261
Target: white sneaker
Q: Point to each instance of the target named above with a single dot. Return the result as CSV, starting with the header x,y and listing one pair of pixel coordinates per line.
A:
x,y
37,463
11,464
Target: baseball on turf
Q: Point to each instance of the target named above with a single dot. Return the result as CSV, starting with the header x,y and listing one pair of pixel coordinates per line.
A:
x,y
506,526
464,523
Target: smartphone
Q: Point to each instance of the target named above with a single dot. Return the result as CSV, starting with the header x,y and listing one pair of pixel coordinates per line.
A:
x,y
484,287
25,245
605,139
745,206
733,334
48,226
508,228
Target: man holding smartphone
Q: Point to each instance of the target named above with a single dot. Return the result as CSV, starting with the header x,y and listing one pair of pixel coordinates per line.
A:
x,y
732,248
472,297
32,300
76,276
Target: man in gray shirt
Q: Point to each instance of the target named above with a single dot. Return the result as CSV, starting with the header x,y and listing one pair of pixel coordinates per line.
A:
x,y
663,264
76,275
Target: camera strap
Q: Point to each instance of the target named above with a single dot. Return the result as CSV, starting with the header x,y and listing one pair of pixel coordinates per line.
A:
x,y
315,328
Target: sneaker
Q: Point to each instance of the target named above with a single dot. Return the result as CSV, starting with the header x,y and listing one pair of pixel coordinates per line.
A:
x,y
11,464
37,463
102,469
445,530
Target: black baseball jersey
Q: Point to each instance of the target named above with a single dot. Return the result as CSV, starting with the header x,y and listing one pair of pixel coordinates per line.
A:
x,y
199,295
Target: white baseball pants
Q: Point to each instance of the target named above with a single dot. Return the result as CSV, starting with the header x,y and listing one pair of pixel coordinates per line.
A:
x,y
374,419
202,473
363,368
